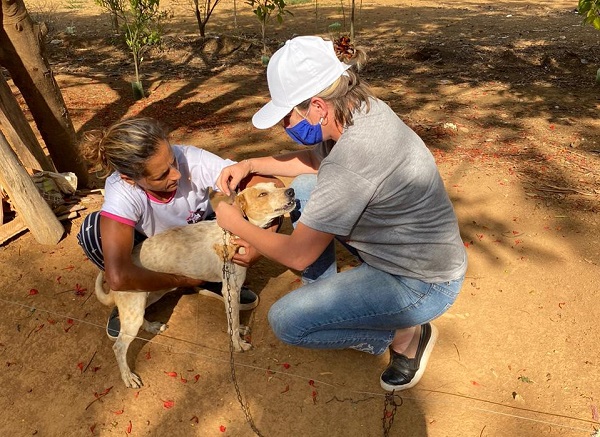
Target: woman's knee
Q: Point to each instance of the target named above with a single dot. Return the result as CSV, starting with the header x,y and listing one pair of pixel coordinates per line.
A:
x,y
303,186
282,324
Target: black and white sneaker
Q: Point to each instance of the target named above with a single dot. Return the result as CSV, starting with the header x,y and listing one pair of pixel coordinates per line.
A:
x,y
113,325
248,298
402,372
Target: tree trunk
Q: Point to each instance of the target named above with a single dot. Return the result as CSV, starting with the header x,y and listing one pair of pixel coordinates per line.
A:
x,y
22,54
17,129
201,23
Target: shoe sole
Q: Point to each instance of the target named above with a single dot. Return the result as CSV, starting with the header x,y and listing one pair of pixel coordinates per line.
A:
x,y
212,294
422,364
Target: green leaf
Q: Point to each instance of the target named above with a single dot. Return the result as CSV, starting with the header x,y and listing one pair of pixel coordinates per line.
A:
x,y
525,379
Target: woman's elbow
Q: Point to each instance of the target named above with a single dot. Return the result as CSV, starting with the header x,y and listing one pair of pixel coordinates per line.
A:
x,y
301,263
115,281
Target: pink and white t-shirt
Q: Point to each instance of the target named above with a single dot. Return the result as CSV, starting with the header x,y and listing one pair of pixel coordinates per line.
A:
x,y
131,205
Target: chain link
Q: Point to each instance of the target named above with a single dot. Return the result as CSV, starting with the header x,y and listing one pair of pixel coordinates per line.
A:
x,y
227,264
390,398
388,415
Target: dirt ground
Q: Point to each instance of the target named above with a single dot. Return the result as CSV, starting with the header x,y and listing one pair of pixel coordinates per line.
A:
x,y
503,93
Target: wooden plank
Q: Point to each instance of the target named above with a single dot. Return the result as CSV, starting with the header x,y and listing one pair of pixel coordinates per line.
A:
x,y
12,228
26,198
19,132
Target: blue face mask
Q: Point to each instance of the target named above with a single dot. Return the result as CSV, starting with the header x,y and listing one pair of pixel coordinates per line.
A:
x,y
305,133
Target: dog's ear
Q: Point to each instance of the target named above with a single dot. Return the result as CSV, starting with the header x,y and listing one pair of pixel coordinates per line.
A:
x,y
215,197
241,202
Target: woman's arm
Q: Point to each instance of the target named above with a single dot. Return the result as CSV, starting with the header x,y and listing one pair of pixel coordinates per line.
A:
x,y
288,164
296,251
120,271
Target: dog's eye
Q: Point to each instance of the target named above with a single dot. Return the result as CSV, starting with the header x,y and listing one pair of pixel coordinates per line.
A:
x,y
262,194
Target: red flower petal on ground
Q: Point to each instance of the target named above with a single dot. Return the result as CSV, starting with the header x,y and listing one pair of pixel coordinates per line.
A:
x,y
171,374
286,365
79,291
196,378
222,428
33,292
129,427
119,412
105,392
168,404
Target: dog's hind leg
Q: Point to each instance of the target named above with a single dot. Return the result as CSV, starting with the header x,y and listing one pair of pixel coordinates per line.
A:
x,y
154,327
131,315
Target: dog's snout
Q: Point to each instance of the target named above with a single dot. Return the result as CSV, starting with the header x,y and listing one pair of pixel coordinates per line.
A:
x,y
289,192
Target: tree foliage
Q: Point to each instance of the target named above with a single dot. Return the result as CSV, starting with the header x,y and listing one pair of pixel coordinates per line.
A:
x,y
264,10
141,22
590,10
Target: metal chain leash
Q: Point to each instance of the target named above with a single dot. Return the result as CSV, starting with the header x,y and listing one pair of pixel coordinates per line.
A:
x,y
226,277
388,415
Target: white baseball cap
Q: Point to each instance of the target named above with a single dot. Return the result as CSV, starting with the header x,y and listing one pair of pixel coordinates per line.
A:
x,y
301,69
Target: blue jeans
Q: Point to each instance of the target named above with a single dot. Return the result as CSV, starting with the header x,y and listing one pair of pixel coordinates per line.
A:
x,y
360,308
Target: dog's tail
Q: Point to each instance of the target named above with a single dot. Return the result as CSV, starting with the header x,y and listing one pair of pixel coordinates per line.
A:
x,y
105,298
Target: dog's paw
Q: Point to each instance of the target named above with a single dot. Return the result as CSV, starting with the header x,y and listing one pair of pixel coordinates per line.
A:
x,y
132,380
244,330
155,327
241,345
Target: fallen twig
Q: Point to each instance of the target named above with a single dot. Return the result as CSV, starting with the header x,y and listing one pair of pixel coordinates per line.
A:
x,y
89,362
562,190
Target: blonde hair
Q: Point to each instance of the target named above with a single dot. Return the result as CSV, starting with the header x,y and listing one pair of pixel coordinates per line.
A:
x,y
348,92
124,147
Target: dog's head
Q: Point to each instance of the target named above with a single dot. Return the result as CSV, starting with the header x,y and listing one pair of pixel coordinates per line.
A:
x,y
261,203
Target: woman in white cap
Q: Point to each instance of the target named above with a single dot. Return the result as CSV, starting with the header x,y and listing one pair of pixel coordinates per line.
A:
x,y
370,182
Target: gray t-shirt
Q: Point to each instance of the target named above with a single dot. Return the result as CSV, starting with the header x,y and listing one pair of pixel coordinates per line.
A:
x,y
378,189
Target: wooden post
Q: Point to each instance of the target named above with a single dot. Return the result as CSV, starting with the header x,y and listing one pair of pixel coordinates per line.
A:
x,y
29,203
19,132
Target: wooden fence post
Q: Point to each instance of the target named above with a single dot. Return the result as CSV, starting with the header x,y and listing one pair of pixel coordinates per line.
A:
x,y
29,203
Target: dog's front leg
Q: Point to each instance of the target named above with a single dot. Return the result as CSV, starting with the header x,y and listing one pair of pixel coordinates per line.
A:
x,y
231,293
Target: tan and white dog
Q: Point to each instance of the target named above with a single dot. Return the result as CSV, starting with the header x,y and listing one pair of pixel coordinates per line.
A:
x,y
196,251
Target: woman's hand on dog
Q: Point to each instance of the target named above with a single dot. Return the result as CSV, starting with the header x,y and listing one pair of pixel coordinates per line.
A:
x,y
232,175
246,255
185,281
228,215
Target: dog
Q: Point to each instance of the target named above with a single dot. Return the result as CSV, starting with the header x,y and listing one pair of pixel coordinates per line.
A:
x,y
198,251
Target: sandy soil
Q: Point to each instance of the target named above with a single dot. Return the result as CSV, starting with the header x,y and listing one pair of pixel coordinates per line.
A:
x,y
503,93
